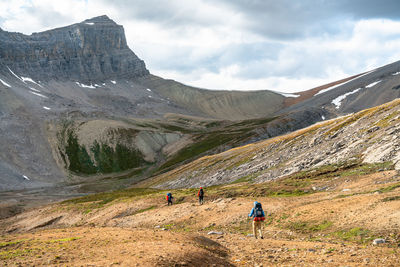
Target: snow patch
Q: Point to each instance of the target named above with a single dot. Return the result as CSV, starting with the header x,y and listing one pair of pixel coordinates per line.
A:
x,y
104,83
38,94
372,84
27,79
114,82
89,23
33,89
26,177
85,86
46,108
323,117
396,73
6,84
338,100
148,89
340,84
14,74
97,85
150,96
289,95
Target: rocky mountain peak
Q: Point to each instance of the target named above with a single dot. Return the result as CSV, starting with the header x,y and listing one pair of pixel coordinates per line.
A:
x,y
104,19
93,50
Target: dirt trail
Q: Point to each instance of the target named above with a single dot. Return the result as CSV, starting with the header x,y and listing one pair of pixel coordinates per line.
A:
x,y
329,228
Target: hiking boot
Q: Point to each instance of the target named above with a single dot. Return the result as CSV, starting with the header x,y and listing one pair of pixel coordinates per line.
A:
x,y
262,237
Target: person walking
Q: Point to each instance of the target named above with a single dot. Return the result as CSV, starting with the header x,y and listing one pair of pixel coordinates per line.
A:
x,y
200,194
169,199
259,216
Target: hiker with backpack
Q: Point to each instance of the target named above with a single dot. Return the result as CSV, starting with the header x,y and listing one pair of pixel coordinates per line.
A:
x,y
259,216
200,194
169,198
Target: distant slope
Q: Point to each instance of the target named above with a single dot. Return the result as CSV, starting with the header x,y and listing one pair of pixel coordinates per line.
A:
x,y
369,136
228,105
352,94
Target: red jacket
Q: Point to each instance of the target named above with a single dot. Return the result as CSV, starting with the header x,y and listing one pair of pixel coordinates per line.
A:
x,y
198,193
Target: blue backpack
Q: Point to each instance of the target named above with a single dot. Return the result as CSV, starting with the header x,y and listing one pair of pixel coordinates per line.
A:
x,y
258,211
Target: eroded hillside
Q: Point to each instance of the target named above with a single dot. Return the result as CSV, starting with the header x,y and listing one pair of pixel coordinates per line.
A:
x,y
369,136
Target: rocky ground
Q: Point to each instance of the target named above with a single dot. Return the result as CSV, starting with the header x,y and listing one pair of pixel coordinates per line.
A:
x,y
333,225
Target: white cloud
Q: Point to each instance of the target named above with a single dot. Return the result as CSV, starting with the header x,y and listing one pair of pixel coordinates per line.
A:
x,y
209,44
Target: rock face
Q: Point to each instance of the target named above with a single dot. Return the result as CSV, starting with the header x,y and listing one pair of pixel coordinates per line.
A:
x,y
94,49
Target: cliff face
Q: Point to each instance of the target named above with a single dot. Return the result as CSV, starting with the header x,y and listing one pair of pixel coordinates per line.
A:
x,y
94,49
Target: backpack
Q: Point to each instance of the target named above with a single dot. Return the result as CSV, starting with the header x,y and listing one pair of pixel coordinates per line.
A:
x,y
258,211
201,193
169,196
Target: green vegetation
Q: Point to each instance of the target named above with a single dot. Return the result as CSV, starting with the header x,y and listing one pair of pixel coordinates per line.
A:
x,y
254,122
115,160
308,227
364,169
386,121
243,179
79,159
203,144
388,188
63,240
381,190
230,135
175,128
143,210
107,159
29,247
10,254
301,183
387,199
5,244
355,235
103,198
349,120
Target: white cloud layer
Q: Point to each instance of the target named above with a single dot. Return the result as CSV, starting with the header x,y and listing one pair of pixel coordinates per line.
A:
x,y
233,45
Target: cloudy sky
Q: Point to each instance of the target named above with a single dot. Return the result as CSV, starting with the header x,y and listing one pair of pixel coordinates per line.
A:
x,y
281,45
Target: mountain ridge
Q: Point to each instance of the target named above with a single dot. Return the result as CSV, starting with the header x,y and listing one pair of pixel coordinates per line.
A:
x,y
95,49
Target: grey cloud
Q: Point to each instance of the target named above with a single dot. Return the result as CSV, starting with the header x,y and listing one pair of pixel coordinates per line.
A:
x,y
172,13
286,19
245,55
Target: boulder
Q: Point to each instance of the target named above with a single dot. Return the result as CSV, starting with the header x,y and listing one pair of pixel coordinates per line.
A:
x,y
378,241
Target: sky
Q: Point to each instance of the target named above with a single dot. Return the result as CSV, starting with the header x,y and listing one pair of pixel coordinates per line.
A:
x,y
280,45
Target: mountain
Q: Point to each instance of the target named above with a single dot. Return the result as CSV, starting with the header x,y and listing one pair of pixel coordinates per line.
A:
x,y
79,108
93,50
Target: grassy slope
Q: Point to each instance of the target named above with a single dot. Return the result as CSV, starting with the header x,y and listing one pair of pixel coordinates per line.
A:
x,y
240,155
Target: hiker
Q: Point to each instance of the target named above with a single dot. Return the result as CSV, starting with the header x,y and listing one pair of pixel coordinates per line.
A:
x,y
259,216
200,194
169,198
